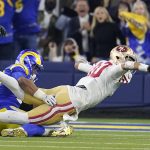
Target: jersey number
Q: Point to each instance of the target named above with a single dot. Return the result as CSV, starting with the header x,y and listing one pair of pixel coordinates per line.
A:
x,y
98,69
19,5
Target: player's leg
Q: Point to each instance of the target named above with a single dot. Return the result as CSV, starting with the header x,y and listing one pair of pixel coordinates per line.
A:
x,y
26,130
46,115
11,114
30,130
6,125
49,115
43,114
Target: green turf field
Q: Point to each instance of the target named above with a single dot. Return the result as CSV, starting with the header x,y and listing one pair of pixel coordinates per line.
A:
x,y
86,140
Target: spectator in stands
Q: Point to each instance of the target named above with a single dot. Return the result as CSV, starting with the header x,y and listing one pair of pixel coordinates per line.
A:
x,y
130,2
114,12
70,51
26,26
79,27
137,30
104,34
49,32
95,3
6,42
67,13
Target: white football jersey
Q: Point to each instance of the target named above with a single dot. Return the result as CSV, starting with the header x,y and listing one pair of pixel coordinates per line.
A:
x,y
101,81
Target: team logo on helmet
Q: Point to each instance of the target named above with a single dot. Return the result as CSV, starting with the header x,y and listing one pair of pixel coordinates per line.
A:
x,y
31,59
121,49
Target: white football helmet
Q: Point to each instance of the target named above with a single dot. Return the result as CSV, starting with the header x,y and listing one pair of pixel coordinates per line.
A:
x,y
122,53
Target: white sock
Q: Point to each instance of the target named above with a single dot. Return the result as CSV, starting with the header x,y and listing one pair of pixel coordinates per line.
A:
x,y
46,132
63,124
12,84
10,116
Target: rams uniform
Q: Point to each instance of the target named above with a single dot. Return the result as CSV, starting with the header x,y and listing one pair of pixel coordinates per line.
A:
x,y
23,67
6,16
8,100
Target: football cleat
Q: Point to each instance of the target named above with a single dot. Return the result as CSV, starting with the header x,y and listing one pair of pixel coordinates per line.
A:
x,y
61,132
18,132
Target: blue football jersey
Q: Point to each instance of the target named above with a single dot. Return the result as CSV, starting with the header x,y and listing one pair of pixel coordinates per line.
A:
x,y
140,47
25,18
6,18
7,98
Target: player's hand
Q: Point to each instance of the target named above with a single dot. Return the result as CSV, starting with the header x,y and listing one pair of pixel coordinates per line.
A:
x,y
2,31
50,100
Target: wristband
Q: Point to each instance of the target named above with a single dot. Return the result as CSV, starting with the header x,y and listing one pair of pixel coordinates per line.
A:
x,y
39,94
143,67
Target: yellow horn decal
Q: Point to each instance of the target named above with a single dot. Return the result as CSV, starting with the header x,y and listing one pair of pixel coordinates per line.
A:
x,y
38,59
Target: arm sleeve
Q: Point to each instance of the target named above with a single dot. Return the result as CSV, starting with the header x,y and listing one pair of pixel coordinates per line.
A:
x,y
117,71
85,67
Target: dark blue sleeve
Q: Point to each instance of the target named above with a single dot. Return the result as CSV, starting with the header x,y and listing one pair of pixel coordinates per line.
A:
x,y
17,75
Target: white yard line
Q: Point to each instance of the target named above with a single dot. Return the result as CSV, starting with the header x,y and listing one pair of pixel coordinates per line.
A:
x,y
72,147
57,142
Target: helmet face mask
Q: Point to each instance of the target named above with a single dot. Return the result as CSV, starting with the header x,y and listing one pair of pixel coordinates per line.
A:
x,y
31,59
36,68
121,54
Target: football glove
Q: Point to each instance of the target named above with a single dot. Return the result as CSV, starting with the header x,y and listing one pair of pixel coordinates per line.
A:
x,y
2,31
50,100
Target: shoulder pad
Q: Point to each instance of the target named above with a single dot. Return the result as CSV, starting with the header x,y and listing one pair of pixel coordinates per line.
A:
x,y
17,67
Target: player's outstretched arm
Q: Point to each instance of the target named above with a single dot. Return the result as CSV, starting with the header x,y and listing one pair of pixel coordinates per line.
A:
x,y
130,65
83,66
29,87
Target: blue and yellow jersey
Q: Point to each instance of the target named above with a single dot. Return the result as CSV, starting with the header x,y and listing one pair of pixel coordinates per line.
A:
x,y
25,18
140,47
7,98
6,17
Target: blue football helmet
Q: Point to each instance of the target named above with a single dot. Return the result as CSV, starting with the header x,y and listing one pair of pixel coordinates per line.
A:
x,y
31,59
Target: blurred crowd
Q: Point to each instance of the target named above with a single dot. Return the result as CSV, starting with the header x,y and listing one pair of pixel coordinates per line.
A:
x,y
69,30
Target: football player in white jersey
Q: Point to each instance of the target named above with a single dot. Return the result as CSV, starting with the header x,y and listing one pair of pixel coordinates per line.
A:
x,y
102,80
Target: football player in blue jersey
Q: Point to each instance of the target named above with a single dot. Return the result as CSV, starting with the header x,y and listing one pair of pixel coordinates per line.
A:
x,y
6,17
25,22
27,64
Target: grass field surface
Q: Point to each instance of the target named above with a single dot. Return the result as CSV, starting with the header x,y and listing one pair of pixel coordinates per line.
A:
x,y
89,139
